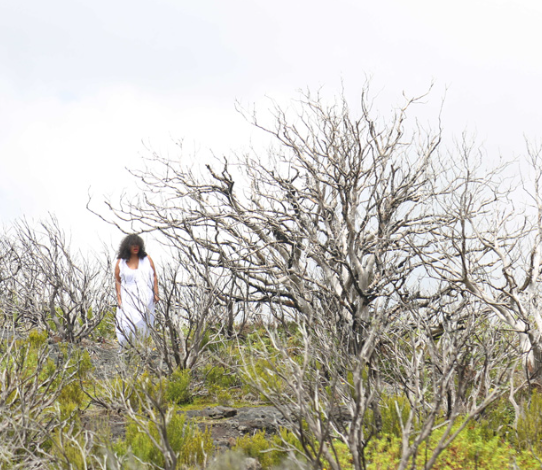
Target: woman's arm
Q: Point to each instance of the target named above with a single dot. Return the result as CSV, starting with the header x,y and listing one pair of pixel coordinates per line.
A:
x,y
117,283
155,288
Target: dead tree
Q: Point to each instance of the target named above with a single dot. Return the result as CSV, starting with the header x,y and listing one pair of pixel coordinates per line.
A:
x,y
489,249
337,228
326,218
189,318
53,288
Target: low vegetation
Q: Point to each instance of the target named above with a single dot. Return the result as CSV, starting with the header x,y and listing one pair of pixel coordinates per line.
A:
x,y
62,411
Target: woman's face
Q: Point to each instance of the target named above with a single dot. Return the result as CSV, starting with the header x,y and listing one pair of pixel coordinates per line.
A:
x,y
134,249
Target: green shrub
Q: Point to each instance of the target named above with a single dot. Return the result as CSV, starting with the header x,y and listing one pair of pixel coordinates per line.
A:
x,y
217,376
469,450
218,382
121,390
106,327
174,390
224,398
191,445
391,420
497,420
529,428
70,454
37,338
263,374
261,448
178,387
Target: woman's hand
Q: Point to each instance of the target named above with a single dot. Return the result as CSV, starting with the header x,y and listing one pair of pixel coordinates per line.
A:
x,y
119,301
156,298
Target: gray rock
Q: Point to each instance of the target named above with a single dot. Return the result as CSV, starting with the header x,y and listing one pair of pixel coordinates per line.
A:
x,y
227,424
230,460
216,412
251,464
220,412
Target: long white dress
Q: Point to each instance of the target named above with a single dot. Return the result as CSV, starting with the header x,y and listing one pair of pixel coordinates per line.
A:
x,y
137,299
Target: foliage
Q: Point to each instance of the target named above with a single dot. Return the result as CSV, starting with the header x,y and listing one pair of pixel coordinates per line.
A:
x,y
260,447
469,450
263,372
395,410
498,421
219,383
529,427
191,445
105,330
178,387
217,376
37,338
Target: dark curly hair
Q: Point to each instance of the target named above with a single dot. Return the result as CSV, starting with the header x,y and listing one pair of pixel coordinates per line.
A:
x,y
127,242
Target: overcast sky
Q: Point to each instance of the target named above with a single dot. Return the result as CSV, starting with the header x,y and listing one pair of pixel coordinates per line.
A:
x,y
85,85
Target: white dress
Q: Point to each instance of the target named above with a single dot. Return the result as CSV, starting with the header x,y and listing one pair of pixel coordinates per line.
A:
x,y
137,300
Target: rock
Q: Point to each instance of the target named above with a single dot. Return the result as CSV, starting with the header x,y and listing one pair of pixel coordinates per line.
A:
x,y
233,460
220,412
215,412
227,424
251,464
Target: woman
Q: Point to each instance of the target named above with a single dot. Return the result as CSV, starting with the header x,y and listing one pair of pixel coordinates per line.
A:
x,y
137,288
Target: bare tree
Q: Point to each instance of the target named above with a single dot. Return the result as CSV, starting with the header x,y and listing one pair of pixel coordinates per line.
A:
x,y
188,319
327,216
30,387
425,378
66,294
343,228
489,250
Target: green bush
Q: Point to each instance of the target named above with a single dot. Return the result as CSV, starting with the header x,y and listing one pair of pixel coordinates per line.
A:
x,y
37,338
191,445
106,328
263,373
217,376
391,421
497,420
224,398
261,448
218,382
469,450
178,387
529,428
174,390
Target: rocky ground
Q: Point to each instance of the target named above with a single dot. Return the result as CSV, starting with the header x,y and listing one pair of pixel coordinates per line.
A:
x,y
226,423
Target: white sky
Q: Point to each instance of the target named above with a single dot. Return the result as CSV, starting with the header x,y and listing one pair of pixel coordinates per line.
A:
x,y
84,82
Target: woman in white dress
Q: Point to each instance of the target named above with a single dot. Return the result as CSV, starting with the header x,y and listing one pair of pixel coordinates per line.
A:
x,y
137,289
